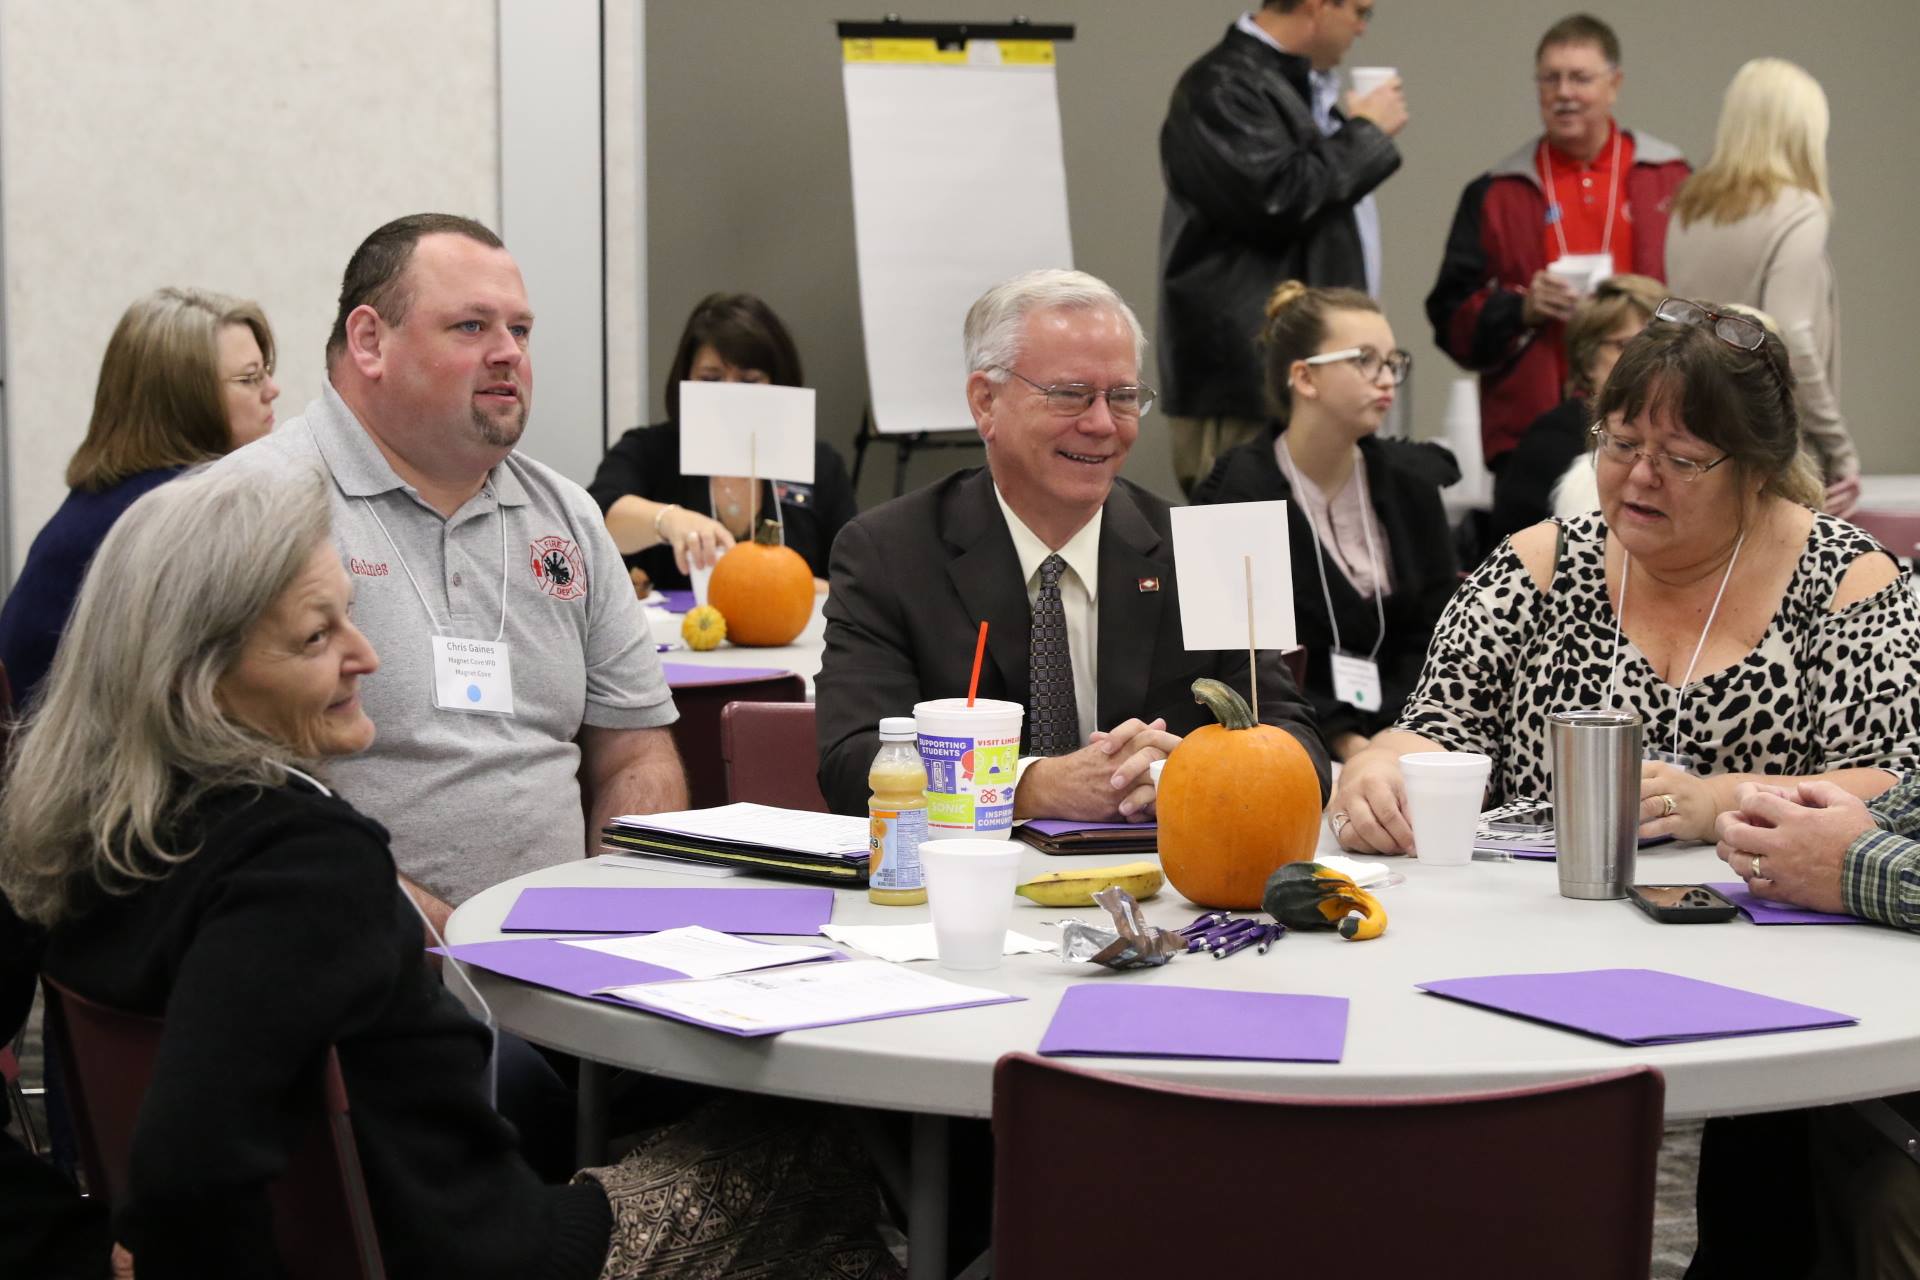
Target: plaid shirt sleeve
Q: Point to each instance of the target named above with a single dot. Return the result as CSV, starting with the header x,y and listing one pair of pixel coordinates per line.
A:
x,y
1880,876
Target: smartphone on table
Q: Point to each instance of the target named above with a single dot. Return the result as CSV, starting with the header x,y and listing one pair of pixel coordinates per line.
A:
x,y
1682,903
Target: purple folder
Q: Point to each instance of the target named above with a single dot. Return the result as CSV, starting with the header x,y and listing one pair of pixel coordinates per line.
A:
x,y
680,675
614,910
550,962
1056,827
1761,911
1114,1018
679,601
1636,1006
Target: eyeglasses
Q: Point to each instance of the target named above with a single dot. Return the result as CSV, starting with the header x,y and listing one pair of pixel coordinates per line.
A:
x,y
253,380
1739,332
1614,449
1071,399
1369,362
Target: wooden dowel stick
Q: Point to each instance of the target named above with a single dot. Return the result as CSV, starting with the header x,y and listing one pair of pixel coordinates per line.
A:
x,y
1253,669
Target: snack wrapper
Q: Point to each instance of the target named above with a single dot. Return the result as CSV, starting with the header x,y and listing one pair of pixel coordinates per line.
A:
x,y
1131,944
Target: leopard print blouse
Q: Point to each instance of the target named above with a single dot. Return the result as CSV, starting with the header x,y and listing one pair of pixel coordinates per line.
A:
x,y
1821,691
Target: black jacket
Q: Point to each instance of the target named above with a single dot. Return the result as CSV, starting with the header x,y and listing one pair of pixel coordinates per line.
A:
x,y
914,578
1523,487
1255,195
1424,571
645,462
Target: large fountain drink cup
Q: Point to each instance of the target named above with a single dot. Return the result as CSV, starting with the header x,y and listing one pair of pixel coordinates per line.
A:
x,y
1596,800
972,756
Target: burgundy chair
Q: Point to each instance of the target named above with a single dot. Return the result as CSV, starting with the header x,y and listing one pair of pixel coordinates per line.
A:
x,y
697,731
1168,1180
322,1222
1898,531
771,755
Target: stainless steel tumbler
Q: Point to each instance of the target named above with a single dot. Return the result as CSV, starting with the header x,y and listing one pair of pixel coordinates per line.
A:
x,y
1596,800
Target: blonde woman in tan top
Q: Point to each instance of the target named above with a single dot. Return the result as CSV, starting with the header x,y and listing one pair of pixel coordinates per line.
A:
x,y
1751,228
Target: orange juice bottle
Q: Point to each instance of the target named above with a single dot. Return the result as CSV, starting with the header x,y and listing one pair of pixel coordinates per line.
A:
x,y
898,817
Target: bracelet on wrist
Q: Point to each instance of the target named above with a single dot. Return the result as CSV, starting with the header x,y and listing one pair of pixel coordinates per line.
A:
x,y
660,516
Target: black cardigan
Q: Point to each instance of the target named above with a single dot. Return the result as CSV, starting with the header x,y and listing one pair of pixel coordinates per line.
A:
x,y
645,462
286,932
1523,487
1425,573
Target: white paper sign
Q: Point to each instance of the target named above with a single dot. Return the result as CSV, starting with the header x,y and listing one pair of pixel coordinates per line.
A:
x,y
939,216
1210,547
746,428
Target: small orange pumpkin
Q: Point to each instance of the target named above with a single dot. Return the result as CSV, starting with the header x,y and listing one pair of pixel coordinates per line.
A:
x,y
1237,799
764,589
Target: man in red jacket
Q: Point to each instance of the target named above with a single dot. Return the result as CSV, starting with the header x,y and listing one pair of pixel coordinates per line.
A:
x,y
1586,186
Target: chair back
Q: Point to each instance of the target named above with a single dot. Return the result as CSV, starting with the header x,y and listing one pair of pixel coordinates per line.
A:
x,y
697,731
771,755
1547,1180
322,1222
1897,531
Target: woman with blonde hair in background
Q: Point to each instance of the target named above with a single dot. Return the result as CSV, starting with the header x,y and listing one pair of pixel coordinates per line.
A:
x,y
1751,228
187,377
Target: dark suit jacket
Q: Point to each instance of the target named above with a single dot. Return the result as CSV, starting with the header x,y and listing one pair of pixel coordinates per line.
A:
x,y
913,579
1419,544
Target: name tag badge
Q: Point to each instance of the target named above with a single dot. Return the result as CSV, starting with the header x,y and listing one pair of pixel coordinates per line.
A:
x,y
1356,681
472,675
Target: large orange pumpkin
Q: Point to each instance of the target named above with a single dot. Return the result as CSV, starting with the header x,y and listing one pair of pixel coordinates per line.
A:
x,y
763,589
1237,799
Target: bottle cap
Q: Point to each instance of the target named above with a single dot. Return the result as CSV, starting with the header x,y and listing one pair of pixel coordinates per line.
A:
x,y
897,728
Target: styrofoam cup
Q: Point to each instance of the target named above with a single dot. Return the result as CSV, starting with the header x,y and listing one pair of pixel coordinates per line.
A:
x,y
972,755
700,578
1153,772
1582,272
1444,791
1367,79
970,890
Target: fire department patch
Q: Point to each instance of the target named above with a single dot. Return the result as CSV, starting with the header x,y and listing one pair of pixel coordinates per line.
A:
x,y
558,568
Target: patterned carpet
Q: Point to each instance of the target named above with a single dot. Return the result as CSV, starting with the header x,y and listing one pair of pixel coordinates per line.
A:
x,y
1673,1228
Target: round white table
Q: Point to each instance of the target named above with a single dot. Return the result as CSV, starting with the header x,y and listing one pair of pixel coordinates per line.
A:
x,y
1444,922
801,657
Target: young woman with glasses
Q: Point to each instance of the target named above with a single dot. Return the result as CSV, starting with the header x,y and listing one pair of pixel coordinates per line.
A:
x,y
1372,558
1753,636
1751,228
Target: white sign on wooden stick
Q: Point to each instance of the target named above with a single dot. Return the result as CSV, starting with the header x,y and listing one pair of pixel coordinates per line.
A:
x,y
746,429
1211,548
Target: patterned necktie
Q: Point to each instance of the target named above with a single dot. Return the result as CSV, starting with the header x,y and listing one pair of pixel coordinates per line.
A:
x,y
1052,715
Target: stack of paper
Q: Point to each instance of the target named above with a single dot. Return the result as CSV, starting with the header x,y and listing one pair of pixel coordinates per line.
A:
x,y
815,995
755,837
586,967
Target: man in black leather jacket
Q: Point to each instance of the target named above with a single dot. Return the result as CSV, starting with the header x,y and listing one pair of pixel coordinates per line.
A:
x,y
1263,174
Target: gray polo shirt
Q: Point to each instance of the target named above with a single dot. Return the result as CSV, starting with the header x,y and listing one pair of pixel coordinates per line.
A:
x,y
472,799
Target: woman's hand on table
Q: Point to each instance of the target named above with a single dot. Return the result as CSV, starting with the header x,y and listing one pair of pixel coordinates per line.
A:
x,y
1675,803
1789,844
697,541
1368,812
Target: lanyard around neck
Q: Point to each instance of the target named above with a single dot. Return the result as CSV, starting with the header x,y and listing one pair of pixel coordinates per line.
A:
x,y
1320,551
1559,214
407,569
1619,616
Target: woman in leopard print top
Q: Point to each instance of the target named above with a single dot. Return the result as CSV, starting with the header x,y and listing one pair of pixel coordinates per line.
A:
x,y
1750,634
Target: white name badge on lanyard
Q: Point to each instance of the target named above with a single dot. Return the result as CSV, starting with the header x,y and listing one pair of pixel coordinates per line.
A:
x,y
1356,681
472,675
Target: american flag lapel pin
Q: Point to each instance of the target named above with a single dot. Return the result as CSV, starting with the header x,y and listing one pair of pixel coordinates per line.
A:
x,y
1148,584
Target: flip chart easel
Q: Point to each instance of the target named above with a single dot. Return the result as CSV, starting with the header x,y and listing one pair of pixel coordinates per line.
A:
x,y
935,113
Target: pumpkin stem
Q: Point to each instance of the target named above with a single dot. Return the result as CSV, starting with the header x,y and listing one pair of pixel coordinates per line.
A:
x,y
769,534
1228,707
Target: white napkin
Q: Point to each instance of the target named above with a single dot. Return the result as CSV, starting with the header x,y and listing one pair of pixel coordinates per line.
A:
x,y
1363,873
899,942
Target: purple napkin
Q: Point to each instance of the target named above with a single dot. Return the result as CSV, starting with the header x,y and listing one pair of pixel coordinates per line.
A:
x,y
1116,1019
608,910
550,962
1761,911
1051,827
1636,1006
679,601
681,674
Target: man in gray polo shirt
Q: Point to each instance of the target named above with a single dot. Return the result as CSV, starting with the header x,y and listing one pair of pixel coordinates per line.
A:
x,y
516,666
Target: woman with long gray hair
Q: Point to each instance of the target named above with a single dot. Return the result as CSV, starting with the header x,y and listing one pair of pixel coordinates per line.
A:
x,y
165,821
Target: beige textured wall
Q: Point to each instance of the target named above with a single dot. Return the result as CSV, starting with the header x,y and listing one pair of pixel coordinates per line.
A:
x,y
225,144
748,179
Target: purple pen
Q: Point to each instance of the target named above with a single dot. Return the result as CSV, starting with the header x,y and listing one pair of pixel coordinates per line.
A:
x,y
1240,944
1274,933
1228,934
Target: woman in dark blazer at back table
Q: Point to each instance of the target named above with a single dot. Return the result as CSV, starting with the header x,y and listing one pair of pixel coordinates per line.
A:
x,y
1373,562
660,519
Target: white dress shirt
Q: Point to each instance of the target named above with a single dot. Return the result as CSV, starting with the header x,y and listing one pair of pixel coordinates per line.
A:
x,y
1079,601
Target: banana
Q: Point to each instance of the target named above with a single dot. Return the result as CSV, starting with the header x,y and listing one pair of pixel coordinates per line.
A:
x,y
1076,888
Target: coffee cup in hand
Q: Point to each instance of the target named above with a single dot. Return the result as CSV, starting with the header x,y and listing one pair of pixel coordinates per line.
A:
x,y
1367,79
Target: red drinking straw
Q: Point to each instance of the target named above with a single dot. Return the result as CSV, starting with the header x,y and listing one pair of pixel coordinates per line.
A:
x,y
979,652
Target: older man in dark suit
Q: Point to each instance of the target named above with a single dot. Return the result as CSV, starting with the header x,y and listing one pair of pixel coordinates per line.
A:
x,y
1070,565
